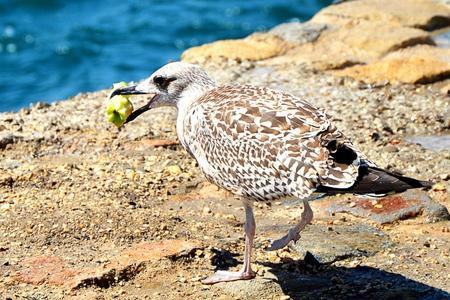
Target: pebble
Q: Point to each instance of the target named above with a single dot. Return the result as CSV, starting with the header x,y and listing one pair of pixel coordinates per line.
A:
x,y
390,149
182,280
445,176
174,170
440,186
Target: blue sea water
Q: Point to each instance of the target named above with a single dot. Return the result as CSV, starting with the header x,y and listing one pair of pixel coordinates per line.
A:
x,y
52,49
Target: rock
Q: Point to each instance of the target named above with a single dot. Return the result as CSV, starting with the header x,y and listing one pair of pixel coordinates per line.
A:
x,y
431,142
435,212
6,139
445,176
298,33
53,270
174,170
419,64
6,180
255,47
159,142
390,149
426,15
442,38
444,87
258,288
320,55
45,269
354,44
445,2
341,242
372,40
392,208
440,186
206,210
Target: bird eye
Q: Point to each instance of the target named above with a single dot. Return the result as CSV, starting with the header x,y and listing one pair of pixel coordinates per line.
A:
x,y
162,81
159,80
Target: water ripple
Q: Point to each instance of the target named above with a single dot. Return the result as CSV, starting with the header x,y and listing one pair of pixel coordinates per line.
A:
x,y
52,49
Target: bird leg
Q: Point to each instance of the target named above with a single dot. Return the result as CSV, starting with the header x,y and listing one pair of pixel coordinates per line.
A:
x,y
294,233
246,271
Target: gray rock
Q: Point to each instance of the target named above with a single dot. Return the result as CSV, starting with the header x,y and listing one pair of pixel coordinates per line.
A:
x,y
435,212
10,164
258,288
442,39
444,2
300,33
434,143
390,149
332,243
6,139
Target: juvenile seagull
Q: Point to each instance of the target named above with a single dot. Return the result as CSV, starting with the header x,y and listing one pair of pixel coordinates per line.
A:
x,y
261,144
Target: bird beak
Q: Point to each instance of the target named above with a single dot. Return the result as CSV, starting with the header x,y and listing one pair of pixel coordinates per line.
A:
x,y
134,90
128,90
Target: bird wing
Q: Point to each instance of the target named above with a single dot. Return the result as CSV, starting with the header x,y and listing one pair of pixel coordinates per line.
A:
x,y
256,131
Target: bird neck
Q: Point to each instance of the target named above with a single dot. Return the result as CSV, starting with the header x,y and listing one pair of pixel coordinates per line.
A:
x,y
192,93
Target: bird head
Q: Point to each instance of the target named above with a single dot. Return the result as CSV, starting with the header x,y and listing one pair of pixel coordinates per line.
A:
x,y
174,84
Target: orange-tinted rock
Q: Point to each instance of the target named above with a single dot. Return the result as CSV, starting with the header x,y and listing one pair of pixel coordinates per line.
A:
x,y
257,46
391,208
144,252
420,64
159,142
39,269
384,205
423,14
369,40
353,44
131,261
321,56
52,270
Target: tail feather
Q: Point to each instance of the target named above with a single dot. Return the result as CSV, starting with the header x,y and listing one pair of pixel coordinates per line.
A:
x,y
373,180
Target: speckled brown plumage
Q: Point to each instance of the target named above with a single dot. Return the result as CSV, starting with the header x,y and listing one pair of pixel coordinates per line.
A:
x,y
264,144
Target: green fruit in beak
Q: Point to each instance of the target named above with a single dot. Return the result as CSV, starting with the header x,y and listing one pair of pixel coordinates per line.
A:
x,y
118,108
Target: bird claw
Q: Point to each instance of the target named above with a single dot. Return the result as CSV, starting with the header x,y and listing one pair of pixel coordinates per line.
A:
x,y
225,276
283,242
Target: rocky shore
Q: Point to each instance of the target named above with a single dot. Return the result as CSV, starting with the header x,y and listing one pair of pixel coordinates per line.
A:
x,y
91,212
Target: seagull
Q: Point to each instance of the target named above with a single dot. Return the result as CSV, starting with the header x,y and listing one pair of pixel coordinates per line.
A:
x,y
261,144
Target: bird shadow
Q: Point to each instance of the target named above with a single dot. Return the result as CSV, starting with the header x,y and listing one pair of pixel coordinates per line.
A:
x,y
309,279
223,259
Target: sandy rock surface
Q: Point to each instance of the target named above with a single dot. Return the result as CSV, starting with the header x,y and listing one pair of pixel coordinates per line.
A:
x,y
420,64
371,41
255,47
91,212
425,14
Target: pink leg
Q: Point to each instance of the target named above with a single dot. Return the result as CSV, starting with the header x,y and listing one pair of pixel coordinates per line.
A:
x,y
294,233
246,271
